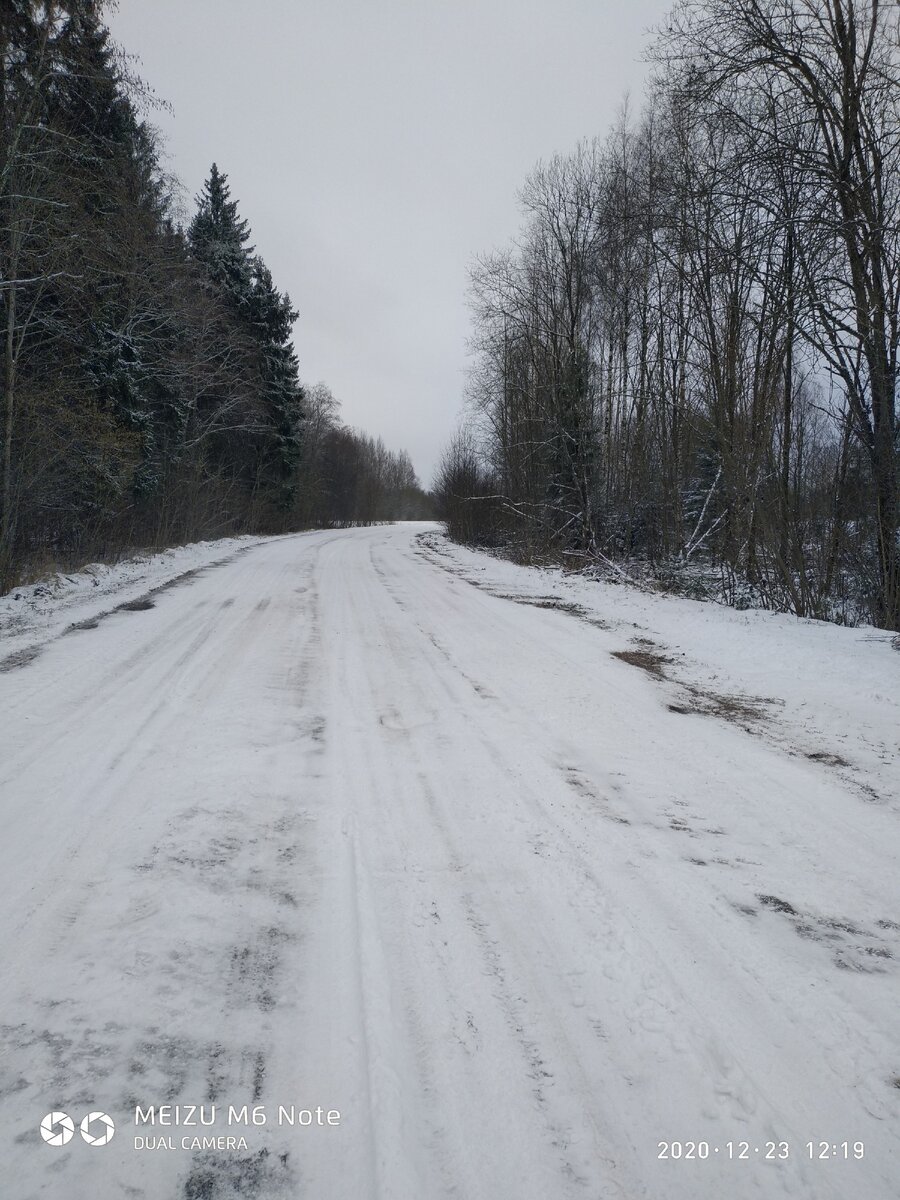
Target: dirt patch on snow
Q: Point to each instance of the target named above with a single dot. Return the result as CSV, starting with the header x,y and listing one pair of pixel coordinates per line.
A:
x,y
21,658
141,604
853,946
229,1177
650,661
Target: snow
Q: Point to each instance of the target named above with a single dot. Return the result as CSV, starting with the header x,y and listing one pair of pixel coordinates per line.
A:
x,y
363,820
38,612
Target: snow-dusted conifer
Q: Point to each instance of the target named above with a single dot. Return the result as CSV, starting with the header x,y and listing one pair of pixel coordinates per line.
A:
x,y
218,238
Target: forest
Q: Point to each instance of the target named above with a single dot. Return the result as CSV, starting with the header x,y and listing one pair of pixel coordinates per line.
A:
x,y
150,393
685,364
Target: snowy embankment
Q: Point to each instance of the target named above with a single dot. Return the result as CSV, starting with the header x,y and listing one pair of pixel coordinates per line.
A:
x,y
39,612
822,691
521,874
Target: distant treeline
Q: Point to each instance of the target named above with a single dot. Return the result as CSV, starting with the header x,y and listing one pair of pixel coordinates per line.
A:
x,y
150,389
689,358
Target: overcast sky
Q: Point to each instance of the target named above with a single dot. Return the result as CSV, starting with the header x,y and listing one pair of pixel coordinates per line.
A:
x,y
375,146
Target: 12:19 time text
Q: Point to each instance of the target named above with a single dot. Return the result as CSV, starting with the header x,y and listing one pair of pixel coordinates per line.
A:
x,y
771,1151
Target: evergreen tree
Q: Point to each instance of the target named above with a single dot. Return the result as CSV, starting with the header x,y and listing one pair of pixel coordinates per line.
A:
x,y
218,238
273,318
268,444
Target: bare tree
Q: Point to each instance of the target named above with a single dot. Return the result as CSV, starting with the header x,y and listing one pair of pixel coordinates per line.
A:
x,y
830,75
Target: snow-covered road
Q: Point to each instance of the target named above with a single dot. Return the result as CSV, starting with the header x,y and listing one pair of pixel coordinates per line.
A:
x,y
360,821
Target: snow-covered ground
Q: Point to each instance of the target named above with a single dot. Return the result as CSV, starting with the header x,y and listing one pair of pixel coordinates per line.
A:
x,y
522,875
38,612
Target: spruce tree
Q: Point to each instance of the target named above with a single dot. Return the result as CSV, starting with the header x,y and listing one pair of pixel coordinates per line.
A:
x,y
218,238
269,445
273,318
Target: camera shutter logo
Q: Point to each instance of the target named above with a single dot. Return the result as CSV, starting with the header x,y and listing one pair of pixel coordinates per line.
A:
x,y
57,1128
104,1125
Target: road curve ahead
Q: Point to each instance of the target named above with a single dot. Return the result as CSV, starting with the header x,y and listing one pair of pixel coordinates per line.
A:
x,y
329,829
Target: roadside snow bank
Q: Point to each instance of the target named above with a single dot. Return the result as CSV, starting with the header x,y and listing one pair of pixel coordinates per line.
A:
x,y
821,691
42,611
